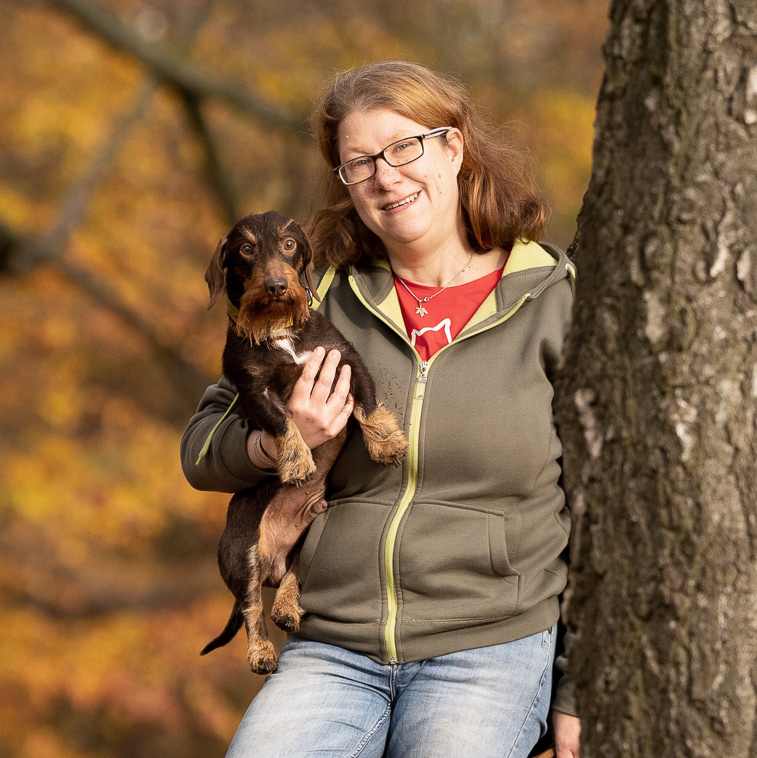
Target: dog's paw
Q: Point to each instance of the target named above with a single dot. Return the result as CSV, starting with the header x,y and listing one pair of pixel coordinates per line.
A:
x,y
385,440
300,483
390,451
262,658
297,470
287,617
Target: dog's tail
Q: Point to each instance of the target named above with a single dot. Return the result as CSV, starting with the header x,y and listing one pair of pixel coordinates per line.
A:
x,y
233,625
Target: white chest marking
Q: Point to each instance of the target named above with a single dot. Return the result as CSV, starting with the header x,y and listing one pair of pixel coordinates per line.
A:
x,y
287,346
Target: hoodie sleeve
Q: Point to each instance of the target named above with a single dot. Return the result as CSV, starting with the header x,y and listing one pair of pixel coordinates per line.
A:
x,y
563,699
224,466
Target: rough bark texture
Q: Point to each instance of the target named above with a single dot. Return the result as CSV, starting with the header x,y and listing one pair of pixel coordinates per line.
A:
x,y
658,396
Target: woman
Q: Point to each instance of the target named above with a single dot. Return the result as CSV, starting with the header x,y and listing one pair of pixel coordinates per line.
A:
x,y
431,589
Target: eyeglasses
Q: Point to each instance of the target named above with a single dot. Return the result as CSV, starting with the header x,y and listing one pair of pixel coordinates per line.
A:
x,y
399,153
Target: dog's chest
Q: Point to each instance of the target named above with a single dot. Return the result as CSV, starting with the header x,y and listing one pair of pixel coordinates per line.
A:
x,y
276,366
298,355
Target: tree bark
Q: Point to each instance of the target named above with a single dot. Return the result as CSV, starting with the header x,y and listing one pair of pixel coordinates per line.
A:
x,y
658,391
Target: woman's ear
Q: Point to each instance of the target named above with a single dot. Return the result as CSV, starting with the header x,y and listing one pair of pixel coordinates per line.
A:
x,y
455,147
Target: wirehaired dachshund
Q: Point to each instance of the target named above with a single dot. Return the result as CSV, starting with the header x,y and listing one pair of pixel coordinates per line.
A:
x,y
264,266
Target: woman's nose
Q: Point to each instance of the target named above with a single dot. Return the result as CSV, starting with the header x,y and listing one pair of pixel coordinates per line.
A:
x,y
385,175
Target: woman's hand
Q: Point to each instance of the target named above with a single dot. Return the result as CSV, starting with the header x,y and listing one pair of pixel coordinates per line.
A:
x,y
567,731
316,411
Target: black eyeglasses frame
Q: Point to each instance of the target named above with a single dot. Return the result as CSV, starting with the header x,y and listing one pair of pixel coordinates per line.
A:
x,y
436,132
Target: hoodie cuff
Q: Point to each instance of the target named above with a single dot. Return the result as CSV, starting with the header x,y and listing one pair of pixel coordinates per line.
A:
x,y
564,699
235,458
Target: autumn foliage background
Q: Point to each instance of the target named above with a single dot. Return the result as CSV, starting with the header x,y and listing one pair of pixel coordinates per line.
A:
x,y
132,135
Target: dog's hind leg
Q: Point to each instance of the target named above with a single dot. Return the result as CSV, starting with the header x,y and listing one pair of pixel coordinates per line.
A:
x,y
286,611
260,651
290,512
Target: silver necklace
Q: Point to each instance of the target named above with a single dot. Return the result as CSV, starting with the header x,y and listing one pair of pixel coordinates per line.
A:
x,y
420,310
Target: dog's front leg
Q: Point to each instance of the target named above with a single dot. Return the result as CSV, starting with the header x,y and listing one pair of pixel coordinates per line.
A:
x,y
383,436
385,440
260,651
294,462
294,459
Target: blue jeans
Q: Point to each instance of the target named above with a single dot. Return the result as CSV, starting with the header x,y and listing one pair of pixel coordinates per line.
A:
x,y
489,702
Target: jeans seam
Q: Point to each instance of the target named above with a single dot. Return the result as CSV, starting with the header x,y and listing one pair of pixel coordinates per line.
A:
x,y
370,733
533,701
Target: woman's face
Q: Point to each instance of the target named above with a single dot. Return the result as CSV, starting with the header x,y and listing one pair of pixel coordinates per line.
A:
x,y
410,207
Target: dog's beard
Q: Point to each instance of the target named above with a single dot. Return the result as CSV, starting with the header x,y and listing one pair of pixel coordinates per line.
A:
x,y
257,320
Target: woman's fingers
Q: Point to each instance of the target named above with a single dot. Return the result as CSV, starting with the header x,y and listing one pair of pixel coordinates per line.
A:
x,y
343,416
304,385
338,397
322,387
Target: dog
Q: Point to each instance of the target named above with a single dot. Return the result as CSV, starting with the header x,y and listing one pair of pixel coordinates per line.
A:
x,y
264,266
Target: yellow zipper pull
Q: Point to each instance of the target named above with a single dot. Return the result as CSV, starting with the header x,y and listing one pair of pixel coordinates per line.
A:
x,y
420,387
424,372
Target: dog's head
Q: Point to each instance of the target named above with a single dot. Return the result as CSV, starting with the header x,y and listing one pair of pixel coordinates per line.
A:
x,y
260,264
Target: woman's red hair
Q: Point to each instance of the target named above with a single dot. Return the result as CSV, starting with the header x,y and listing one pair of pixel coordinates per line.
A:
x,y
499,199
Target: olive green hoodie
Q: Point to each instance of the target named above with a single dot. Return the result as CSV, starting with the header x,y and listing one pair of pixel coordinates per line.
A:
x,y
462,545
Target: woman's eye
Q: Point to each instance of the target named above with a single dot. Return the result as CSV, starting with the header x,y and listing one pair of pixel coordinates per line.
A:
x,y
400,147
360,162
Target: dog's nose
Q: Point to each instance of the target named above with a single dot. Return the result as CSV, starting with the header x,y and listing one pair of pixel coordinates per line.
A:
x,y
275,287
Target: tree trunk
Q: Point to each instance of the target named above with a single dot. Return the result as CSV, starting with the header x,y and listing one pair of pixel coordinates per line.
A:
x,y
657,397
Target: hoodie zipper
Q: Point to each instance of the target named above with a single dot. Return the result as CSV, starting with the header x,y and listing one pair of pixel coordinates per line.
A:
x,y
416,410
404,504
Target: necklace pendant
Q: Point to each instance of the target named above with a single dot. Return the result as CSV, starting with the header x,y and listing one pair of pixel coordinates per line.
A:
x,y
420,310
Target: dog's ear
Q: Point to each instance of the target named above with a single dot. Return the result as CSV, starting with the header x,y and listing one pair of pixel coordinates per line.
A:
x,y
306,255
215,275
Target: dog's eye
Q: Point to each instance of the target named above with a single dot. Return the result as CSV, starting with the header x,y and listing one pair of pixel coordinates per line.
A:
x,y
289,244
246,249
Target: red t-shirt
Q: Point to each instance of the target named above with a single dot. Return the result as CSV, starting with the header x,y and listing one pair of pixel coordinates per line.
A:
x,y
447,313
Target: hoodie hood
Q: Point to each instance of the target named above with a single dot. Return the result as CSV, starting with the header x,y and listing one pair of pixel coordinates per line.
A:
x,y
531,268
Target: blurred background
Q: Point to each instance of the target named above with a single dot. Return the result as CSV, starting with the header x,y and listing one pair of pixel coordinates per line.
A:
x,y
131,134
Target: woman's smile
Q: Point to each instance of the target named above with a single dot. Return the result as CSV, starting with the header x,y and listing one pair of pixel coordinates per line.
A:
x,y
401,203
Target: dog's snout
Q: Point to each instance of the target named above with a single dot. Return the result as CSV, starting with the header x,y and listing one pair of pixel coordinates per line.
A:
x,y
275,286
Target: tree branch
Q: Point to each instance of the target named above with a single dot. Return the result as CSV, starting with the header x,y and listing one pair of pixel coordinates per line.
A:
x,y
76,203
185,376
168,66
20,253
214,172
41,579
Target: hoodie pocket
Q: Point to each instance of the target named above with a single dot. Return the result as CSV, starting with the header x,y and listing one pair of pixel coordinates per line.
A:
x,y
340,563
455,563
310,545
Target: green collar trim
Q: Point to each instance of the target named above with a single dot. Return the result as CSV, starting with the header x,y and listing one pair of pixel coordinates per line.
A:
x,y
526,255
323,286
